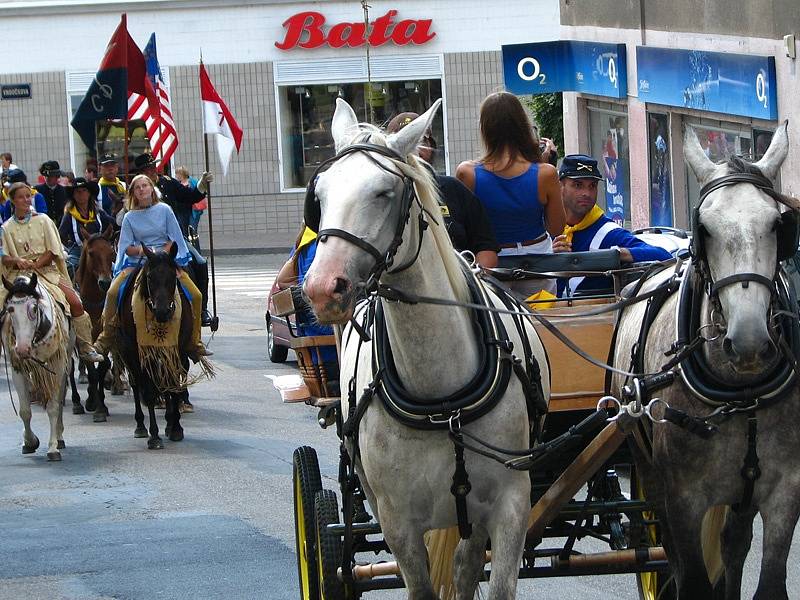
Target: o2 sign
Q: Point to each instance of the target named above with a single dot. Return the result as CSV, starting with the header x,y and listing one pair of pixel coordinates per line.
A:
x,y
535,74
761,89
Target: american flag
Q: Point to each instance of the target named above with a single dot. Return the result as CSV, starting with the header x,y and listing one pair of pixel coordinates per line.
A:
x,y
158,119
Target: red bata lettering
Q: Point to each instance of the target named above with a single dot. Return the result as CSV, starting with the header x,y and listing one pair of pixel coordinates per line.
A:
x,y
353,35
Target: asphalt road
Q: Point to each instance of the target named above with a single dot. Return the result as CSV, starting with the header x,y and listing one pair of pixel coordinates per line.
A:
x,y
210,517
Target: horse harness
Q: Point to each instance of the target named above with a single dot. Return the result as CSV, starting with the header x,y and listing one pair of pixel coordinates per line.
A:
x,y
473,400
724,399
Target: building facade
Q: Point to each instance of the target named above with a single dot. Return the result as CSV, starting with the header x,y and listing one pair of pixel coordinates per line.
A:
x,y
280,65
722,67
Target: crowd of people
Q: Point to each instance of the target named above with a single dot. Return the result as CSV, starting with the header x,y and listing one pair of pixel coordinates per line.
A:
x,y
45,224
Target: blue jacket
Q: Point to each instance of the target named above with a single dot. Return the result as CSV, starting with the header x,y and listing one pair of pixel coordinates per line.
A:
x,y
602,235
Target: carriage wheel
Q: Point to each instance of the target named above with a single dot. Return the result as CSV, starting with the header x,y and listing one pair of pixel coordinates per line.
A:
x,y
651,585
329,547
306,482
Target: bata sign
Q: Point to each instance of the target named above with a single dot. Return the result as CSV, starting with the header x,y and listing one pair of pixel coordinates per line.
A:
x,y
308,27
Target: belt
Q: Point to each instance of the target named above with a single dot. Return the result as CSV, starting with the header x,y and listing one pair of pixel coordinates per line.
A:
x,y
537,240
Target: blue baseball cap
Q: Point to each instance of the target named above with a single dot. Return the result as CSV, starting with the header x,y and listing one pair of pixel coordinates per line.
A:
x,y
579,166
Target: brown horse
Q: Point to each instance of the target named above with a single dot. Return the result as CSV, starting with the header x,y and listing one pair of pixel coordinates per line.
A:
x,y
93,276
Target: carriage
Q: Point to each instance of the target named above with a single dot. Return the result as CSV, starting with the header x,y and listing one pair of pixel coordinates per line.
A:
x,y
598,499
440,338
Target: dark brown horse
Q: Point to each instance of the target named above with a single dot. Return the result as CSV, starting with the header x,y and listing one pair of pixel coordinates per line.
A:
x,y
149,381
93,276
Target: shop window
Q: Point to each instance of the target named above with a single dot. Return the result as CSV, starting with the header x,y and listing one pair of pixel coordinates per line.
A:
x,y
306,112
608,138
660,176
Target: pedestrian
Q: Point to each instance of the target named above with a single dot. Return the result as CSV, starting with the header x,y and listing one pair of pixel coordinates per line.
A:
x,y
7,162
31,244
181,198
519,192
90,172
55,194
149,222
463,214
81,218
67,179
112,188
199,207
588,227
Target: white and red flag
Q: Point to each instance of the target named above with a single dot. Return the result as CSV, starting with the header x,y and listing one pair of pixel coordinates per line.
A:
x,y
218,120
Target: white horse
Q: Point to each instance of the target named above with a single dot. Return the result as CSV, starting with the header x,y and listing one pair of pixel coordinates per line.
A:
x,y
36,338
407,472
736,231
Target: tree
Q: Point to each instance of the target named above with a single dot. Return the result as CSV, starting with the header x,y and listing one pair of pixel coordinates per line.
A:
x,y
548,111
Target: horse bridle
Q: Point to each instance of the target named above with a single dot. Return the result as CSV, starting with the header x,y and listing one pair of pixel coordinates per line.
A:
x,y
42,327
149,299
699,258
383,260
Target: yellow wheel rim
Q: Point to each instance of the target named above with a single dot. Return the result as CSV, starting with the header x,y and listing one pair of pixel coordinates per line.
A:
x,y
648,580
302,547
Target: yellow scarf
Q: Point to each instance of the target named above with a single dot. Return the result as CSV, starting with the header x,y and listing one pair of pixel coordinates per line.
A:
x,y
309,235
587,221
115,183
77,216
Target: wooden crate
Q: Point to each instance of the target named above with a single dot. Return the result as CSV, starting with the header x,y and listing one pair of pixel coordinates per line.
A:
x,y
576,383
318,377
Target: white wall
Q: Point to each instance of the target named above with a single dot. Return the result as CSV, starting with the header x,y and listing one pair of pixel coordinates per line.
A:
x,y
227,33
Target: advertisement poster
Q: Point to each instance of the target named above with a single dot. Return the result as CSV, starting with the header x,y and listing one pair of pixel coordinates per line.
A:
x,y
614,176
660,182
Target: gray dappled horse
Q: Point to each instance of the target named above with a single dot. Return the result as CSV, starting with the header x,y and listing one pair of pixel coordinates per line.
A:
x,y
407,472
736,235
37,340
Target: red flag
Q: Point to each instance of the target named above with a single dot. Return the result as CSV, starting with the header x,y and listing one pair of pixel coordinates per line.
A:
x,y
219,120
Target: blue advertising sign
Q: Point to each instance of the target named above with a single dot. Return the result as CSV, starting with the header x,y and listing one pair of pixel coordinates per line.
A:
x,y
735,84
566,66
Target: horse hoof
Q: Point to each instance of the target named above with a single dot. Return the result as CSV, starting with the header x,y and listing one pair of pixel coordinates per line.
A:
x,y
82,378
91,406
140,432
155,444
54,456
77,409
176,435
99,417
61,445
186,407
30,449
167,430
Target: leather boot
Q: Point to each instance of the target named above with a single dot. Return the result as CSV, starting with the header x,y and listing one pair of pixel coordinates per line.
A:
x,y
83,333
201,281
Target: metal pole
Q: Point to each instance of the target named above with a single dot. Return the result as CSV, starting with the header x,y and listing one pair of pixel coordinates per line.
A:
x,y
368,91
215,318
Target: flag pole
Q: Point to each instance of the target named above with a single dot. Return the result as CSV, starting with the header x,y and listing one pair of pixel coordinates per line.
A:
x,y
215,318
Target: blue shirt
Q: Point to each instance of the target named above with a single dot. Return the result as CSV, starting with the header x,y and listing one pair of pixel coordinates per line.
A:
x,y
602,235
153,226
306,324
511,203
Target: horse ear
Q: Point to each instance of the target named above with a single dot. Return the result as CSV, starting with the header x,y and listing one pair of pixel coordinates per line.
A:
x,y
405,141
147,252
108,233
776,153
34,281
173,250
85,235
702,166
7,285
344,121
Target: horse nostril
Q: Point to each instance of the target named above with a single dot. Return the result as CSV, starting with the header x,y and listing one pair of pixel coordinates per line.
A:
x,y
342,285
727,347
767,351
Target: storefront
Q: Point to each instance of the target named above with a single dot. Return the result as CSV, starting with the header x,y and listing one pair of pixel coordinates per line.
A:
x,y
280,65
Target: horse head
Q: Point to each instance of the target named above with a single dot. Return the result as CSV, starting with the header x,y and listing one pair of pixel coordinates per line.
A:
x,y
360,207
97,258
160,278
738,232
26,313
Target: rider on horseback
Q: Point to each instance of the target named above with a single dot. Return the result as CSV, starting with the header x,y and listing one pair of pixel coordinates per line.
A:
x,y
30,243
152,223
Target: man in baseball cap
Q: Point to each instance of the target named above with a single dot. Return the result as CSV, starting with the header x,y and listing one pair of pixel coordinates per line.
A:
x,y
112,188
588,227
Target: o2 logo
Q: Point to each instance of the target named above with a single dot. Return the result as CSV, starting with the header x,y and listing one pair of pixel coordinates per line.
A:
x,y
535,67
606,66
761,89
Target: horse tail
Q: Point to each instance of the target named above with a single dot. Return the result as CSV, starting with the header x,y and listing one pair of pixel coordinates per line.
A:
x,y
710,534
441,545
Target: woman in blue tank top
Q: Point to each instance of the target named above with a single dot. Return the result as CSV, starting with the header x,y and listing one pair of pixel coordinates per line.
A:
x,y
521,193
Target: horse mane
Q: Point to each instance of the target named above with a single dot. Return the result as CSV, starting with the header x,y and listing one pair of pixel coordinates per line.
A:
x,y
428,194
